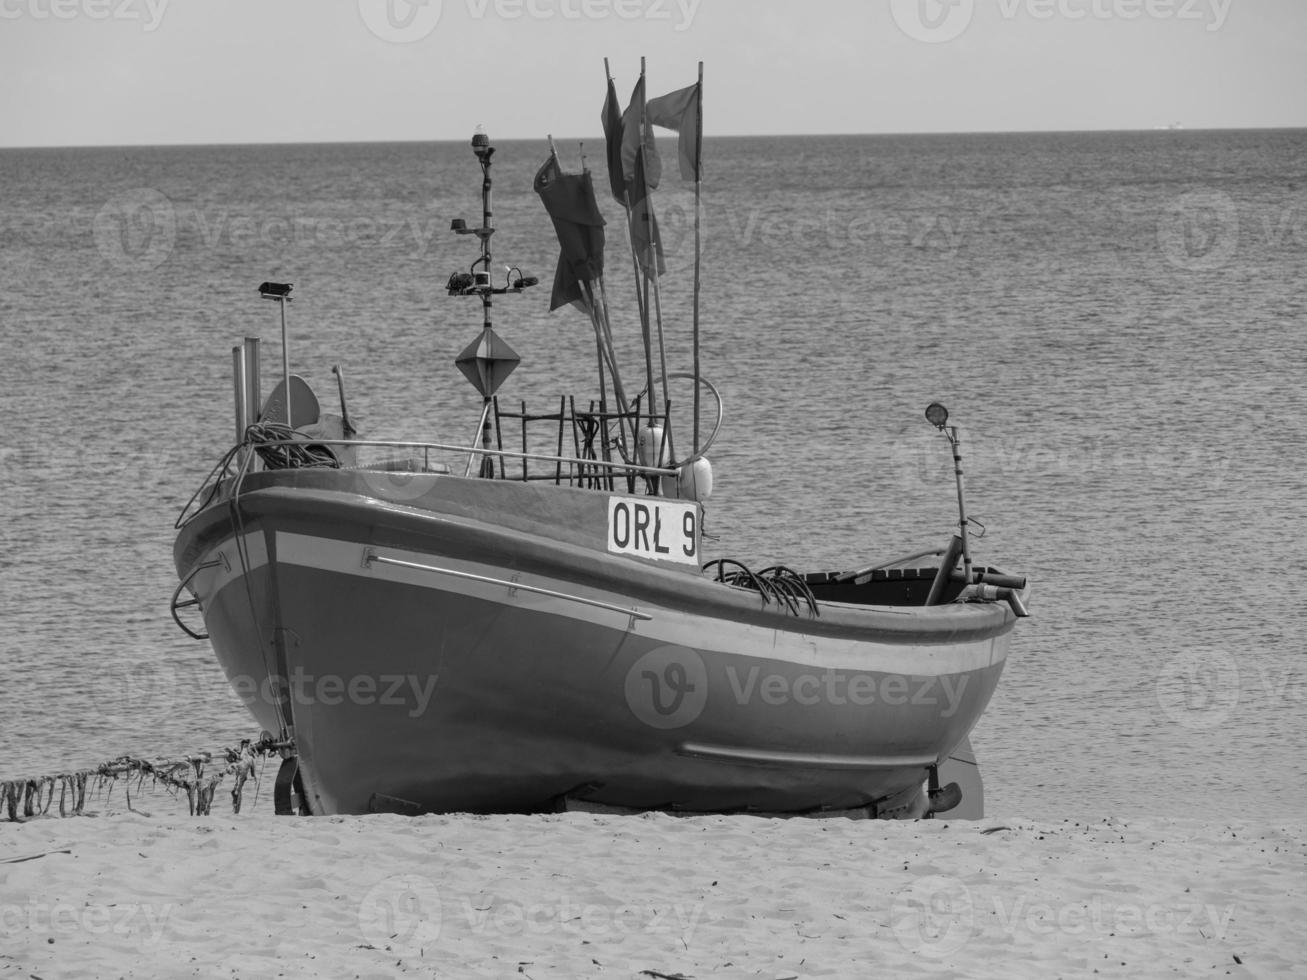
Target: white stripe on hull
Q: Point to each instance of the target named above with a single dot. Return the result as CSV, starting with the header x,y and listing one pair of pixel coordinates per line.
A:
x,y
805,760
790,645
238,555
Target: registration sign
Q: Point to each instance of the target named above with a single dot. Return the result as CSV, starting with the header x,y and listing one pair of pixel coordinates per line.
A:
x,y
653,527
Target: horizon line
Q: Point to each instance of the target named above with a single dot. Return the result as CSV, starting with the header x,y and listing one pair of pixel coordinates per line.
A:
x,y
1169,128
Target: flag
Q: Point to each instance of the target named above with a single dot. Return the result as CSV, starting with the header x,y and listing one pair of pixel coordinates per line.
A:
x,y
644,229
611,117
632,123
567,290
570,201
679,110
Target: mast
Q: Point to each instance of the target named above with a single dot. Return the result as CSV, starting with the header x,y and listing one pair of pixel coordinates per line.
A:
x,y
488,360
483,150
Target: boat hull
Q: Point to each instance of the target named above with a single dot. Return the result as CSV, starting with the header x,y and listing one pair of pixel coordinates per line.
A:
x,y
454,651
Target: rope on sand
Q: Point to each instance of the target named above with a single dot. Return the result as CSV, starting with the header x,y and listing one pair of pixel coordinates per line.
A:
x,y
32,797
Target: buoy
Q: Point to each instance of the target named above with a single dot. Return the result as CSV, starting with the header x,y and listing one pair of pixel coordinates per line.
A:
x,y
694,480
651,449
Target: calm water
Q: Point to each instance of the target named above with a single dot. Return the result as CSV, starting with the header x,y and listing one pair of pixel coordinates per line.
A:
x,y
1116,320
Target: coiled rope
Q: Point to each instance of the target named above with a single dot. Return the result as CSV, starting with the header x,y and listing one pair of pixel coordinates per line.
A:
x,y
784,585
291,449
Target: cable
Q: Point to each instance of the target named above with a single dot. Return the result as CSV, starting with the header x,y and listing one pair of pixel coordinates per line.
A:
x,y
784,585
282,448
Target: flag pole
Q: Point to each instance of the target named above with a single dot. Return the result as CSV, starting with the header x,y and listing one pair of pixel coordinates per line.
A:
x,y
626,207
603,330
645,328
603,334
657,321
598,320
622,403
646,323
698,184
662,360
599,344
640,299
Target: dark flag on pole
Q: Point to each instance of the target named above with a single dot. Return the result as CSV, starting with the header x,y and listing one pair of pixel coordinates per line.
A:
x,y
570,201
632,122
644,229
611,116
679,111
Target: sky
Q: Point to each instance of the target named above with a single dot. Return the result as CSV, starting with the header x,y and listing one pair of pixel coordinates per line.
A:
x,y
125,72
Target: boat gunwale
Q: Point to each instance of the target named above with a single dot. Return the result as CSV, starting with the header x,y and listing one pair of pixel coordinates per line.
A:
x,y
391,525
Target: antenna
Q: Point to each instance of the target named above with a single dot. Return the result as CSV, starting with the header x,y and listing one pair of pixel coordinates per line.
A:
x,y
937,415
488,360
280,291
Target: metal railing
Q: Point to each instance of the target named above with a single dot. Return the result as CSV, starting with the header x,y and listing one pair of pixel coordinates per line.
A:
x,y
243,455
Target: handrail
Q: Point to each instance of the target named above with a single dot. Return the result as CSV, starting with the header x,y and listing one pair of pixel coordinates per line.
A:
x,y
193,601
210,483
475,451
370,556
222,469
690,376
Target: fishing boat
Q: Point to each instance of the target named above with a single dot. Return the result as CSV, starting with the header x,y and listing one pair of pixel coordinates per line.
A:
x,y
496,627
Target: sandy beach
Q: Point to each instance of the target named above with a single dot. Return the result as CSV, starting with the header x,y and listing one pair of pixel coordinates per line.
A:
x,y
580,895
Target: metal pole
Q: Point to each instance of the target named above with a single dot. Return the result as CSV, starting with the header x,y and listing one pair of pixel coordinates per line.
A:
x,y
486,300
604,339
647,330
955,442
639,300
285,361
487,462
240,383
486,215
698,184
618,389
254,402
485,436
662,360
656,320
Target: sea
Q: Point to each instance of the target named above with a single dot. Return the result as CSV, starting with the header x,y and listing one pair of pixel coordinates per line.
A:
x,y
1116,322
